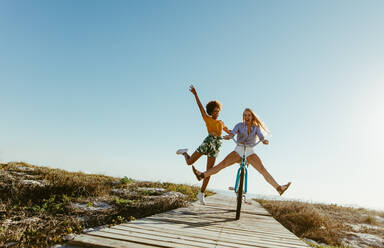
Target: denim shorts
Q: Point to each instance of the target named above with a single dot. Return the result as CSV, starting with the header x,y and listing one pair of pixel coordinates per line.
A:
x,y
240,150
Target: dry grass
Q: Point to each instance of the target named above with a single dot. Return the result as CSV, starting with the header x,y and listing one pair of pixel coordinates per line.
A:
x,y
56,182
305,220
327,224
37,203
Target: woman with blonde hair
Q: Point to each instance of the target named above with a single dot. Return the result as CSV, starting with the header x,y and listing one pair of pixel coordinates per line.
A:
x,y
246,131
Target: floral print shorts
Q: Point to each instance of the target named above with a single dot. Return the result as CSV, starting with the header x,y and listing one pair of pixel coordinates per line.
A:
x,y
210,146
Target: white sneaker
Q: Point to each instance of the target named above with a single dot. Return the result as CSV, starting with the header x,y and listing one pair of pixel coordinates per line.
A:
x,y
200,196
182,151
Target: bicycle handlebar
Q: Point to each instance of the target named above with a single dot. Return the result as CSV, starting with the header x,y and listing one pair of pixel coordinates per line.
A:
x,y
240,144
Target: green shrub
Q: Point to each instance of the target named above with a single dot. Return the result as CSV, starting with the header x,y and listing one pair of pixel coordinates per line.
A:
x,y
125,180
124,202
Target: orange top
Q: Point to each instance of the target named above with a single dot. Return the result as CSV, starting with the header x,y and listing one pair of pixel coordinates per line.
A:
x,y
214,127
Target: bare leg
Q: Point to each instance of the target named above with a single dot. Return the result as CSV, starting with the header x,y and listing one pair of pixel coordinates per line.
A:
x,y
192,159
230,159
255,161
210,164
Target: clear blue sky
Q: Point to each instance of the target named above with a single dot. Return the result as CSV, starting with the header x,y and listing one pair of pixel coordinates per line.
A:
x,y
102,87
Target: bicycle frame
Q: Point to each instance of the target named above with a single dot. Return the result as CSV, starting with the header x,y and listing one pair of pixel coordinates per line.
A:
x,y
243,164
241,184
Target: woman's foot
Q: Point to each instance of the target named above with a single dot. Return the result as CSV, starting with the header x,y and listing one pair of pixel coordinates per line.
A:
x,y
199,175
200,196
282,189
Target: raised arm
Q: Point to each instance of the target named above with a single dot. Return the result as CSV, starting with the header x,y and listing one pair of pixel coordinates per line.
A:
x,y
193,90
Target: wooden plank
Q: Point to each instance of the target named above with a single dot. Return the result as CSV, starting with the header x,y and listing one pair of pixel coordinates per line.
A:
x,y
214,233
255,208
219,200
222,245
171,234
194,233
236,231
207,221
149,240
208,211
211,237
195,223
99,242
209,231
228,217
187,221
202,226
211,219
226,229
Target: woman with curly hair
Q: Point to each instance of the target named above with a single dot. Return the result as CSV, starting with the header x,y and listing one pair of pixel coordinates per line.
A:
x,y
212,143
246,136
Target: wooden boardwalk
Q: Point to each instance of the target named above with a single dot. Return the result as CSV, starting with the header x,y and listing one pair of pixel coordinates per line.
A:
x,y
212,225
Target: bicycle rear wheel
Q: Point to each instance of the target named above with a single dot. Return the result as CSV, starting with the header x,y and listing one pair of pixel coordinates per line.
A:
x,y
240,193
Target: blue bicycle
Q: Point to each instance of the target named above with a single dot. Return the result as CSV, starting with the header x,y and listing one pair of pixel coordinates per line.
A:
x,y
241,181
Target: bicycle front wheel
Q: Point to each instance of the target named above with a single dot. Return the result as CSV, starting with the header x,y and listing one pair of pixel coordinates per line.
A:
x,y
240,193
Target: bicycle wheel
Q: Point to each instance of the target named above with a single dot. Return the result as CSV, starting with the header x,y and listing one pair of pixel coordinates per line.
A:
x,y
240,194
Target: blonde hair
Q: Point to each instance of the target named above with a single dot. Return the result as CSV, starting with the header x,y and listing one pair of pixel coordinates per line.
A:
x,y
256,121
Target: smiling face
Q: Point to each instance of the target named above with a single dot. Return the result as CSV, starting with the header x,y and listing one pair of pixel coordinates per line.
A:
x,y
247,117
213,109
215,113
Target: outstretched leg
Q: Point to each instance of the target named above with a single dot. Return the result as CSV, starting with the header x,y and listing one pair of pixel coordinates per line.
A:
x,y
192,159
255,161
230,159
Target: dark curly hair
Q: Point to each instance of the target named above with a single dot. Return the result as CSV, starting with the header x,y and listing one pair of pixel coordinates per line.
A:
x,y
211,106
